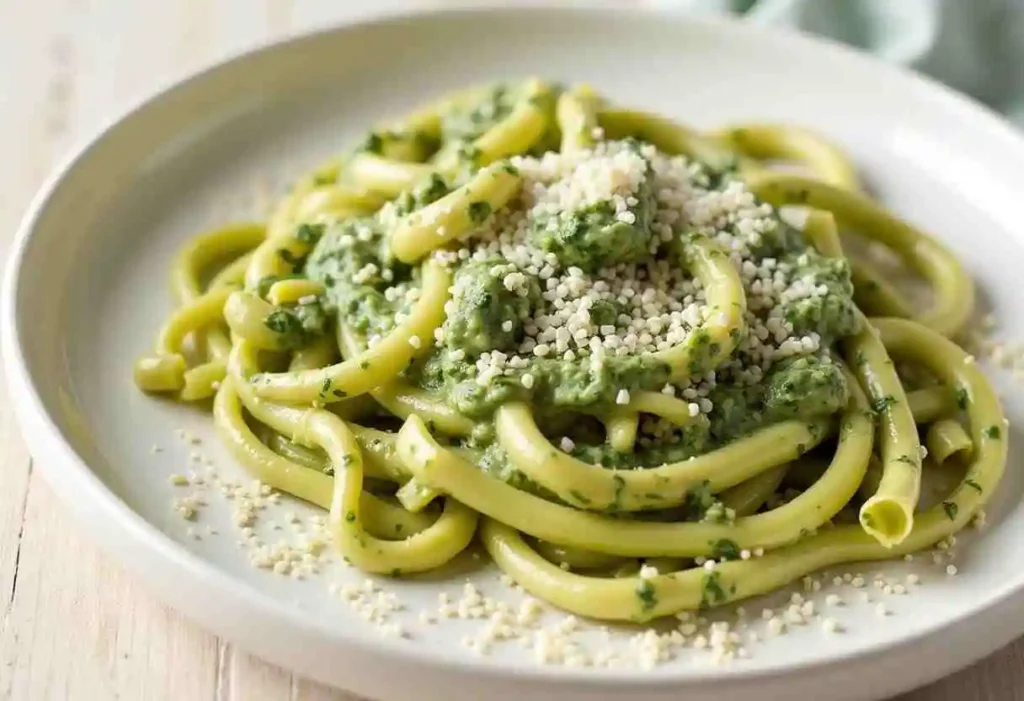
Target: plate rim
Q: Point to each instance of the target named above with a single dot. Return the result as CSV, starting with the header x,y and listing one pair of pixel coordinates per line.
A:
x,y
124,533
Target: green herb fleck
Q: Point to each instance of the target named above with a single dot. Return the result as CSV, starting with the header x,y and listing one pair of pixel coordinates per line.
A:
x,y
289,257
648,597
434,189
350,516
908,459
712,592
962,398
974,485
284,322
951,509
993,432
374,143
697,500
620,486
725,549
468,152
479,211
579,497
882,404
309,233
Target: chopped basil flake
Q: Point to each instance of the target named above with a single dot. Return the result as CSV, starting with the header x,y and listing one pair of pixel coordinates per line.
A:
x,y
289,257
284,322
725,549
712,592
951,509
645,592
882,404
309,233
579,497
479,212
374,143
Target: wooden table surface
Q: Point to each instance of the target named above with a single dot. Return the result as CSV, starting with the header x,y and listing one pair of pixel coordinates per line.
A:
x,y
74,625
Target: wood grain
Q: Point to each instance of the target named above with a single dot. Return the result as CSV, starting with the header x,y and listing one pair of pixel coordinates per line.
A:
x,y
73,624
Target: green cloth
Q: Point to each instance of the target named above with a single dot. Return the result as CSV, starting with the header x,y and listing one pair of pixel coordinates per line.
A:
x,y
974,46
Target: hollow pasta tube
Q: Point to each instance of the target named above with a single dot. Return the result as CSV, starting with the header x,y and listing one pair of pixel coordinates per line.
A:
x,y
576,112
447,472
953,288
643,599
594,487
889,514
796,144
713,341
373,367
432,547
455,214
947,438
314,486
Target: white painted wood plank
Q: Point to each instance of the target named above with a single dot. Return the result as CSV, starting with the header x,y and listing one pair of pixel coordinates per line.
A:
x,y
73,625
307,690
247,678
26,112
80,628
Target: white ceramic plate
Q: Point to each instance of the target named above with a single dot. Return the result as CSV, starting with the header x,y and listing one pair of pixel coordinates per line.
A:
x,y
86,291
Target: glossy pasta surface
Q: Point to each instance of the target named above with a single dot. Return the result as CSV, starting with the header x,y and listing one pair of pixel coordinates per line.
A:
x,y
629,358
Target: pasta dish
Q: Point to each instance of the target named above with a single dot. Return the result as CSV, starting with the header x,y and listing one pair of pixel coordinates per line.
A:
x,y
632,359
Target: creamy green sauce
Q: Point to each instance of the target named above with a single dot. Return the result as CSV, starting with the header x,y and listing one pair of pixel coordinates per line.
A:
x,y
592,237
366,288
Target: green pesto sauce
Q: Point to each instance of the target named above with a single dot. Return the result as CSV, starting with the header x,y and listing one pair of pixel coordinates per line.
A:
x,y
596,236
557,384
803,388
466,122
298,324
352,260
484,315
832,315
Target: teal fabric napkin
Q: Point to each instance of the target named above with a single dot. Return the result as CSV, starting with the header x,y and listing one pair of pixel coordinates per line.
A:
x,y
975,46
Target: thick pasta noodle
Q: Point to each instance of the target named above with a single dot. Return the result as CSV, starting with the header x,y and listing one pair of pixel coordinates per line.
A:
x,y
608,354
